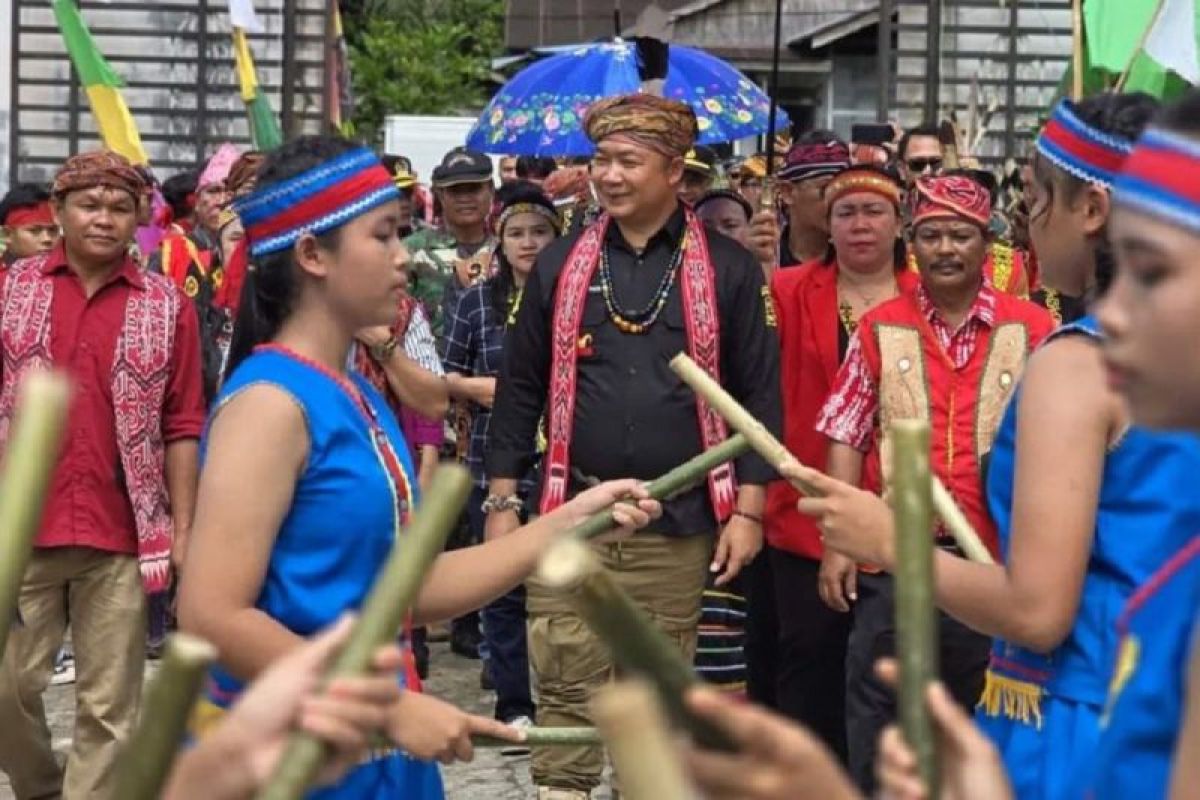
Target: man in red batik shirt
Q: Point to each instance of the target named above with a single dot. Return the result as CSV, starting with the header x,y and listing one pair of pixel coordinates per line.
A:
x,y
950,352
123,489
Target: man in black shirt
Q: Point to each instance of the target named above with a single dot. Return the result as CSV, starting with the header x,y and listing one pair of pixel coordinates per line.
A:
x,y
602,314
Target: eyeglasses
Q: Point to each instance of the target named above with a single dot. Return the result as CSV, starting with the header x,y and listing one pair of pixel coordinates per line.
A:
x,y
923,165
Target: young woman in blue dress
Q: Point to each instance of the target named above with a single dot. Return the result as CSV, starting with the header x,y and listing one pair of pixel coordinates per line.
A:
x,y
307,481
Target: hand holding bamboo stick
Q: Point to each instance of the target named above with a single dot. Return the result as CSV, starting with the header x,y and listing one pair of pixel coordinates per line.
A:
x,y
916,616
778,456
29,458
147,757
383,613
683,477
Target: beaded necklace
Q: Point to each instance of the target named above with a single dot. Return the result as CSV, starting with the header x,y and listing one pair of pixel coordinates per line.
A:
x,y
398,481
639,322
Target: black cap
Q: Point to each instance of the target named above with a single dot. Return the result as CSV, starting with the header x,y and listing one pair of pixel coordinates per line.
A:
x,y
462,166
701,159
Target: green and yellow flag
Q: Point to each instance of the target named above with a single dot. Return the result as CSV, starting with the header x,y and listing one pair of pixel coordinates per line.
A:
x,y
264,125
101,83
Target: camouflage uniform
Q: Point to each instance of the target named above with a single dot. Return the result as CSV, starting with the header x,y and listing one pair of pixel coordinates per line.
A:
x,y
432,279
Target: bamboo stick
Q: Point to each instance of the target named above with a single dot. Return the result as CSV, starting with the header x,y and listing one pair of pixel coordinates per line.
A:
x,y
29,459
146,758
916,617
773,451
685,476
638,647
643,755
383,613
546,737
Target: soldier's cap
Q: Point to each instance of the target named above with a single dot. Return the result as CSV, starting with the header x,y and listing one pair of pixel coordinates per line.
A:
x,y
702,160
462,166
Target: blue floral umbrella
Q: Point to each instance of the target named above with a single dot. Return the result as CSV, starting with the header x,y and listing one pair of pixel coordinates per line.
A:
x,y
540,111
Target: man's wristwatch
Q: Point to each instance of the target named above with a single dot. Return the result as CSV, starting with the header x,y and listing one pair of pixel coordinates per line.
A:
x,y
382,352
495,502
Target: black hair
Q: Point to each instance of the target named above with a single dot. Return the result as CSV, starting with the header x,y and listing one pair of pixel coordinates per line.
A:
x,y
817,136
177,189
23,195
726,194
535,167
1182,116
1124,116
270,286
924,129
501,285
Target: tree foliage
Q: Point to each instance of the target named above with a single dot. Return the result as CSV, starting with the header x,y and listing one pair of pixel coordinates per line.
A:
x,y
420,57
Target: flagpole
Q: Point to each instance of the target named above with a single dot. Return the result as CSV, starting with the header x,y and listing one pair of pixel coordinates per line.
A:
x,y
1121,81
1076,50
773,91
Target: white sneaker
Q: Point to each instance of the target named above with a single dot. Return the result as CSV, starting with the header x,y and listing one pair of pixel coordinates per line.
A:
x,y
521,723
64,670
555,793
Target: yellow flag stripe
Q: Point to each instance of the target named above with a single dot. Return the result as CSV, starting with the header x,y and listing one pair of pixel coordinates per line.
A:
x,y
245,66
116,124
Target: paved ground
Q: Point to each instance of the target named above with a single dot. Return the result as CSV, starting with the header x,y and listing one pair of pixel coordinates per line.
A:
x,y
490,777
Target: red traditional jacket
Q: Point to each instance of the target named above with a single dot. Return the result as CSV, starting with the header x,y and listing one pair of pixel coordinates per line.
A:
x,y
806,303
140,374
916,378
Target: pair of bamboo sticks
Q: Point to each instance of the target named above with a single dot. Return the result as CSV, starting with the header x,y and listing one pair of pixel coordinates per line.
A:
x,y
570,566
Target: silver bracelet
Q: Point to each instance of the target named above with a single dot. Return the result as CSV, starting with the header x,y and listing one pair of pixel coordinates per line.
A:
x,y
495,502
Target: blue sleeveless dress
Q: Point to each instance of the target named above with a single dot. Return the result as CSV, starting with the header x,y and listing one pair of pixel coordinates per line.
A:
x,y
1043,710
333,541
1159,631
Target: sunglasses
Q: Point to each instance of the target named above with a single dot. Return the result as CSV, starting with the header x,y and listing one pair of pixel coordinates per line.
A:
x,y
920,165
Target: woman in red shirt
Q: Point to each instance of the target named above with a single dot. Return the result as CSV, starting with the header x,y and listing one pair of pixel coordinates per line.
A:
x,y
818,304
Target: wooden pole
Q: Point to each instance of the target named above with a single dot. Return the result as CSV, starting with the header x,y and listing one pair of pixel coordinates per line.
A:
x,y
1141,45
1076,50
638,647
147,757
29,461
635,729
775,454
685,476
383,614
916,617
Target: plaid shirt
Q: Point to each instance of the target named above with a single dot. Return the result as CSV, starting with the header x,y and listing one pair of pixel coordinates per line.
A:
x,y
851,413
474,347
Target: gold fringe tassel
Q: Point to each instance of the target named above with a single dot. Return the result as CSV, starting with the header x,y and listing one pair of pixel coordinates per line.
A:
x,y
1015,699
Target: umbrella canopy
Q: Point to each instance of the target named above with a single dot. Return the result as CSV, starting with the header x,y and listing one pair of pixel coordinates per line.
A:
x,y
540,111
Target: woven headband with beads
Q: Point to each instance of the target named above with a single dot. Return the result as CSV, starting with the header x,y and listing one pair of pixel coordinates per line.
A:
x,y
1162,178
1081,150
528,208
859,180
315,202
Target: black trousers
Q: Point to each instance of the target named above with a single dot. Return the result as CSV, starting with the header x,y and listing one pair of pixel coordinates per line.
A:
x,y
811,676
762,630
870,705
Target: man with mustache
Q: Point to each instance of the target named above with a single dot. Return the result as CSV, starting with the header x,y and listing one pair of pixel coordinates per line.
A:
x,y
448,260
123,488
950,352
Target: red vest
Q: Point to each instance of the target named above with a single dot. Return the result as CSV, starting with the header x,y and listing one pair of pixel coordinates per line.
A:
x,y
140,373
917,380
806,303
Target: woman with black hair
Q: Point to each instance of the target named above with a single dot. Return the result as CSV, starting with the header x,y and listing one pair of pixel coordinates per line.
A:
x,y
307,480
1086,506
472,355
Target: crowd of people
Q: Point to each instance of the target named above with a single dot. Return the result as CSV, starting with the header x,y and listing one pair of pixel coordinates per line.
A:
x,y
271,355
